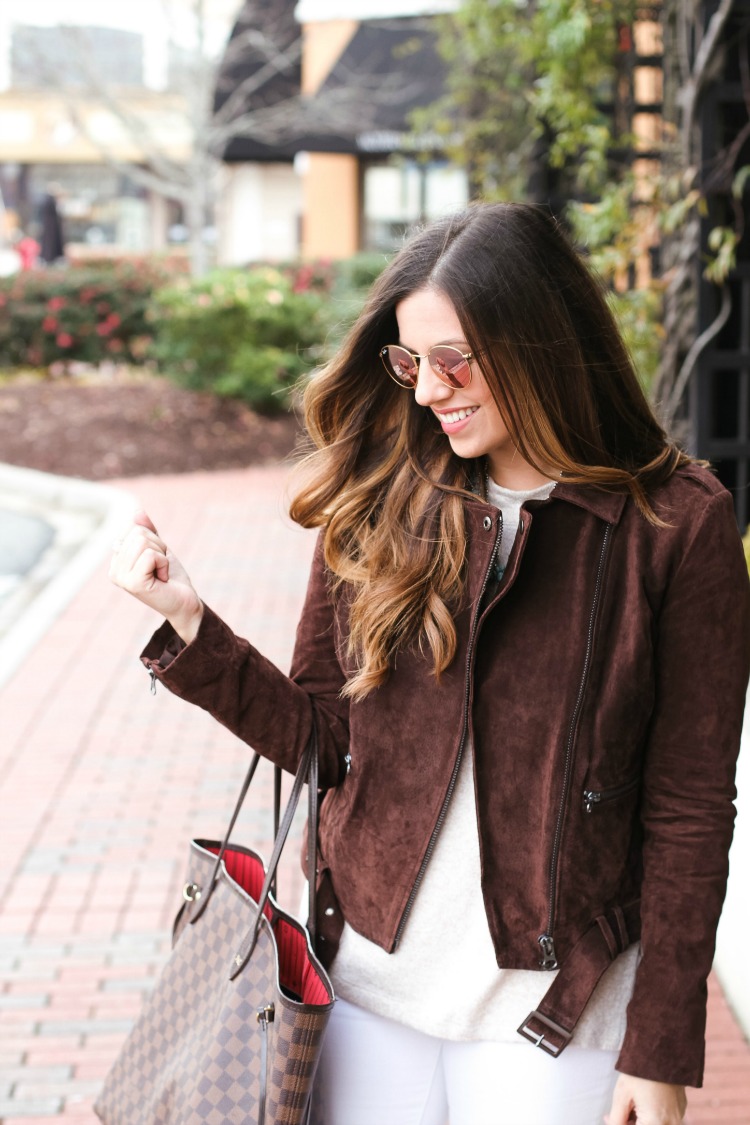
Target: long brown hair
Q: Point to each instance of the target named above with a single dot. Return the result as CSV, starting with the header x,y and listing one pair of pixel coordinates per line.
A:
x,y
385,484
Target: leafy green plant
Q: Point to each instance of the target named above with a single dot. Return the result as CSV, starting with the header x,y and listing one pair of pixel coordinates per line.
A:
x,y
241,333
530,100
85,314
359,272
539,104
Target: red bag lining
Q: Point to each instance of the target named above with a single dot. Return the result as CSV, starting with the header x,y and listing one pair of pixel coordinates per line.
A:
x,y
296,972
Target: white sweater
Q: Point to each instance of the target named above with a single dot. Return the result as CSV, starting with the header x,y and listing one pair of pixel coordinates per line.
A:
x,y
443,978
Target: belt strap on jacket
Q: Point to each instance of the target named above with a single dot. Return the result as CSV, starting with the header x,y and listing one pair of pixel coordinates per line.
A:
x,y
552,1024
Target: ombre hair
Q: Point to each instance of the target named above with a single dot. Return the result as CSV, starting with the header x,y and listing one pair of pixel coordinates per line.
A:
x,y
383,481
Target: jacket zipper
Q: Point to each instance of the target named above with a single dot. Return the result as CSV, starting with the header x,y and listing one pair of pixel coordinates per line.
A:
x,y
265,1016
546,940
454,775
593,797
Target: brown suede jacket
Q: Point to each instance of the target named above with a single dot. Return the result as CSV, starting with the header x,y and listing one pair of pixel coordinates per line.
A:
x,y
603,685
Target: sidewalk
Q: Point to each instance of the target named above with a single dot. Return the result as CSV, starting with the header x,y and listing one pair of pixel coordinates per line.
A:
x,y
102,785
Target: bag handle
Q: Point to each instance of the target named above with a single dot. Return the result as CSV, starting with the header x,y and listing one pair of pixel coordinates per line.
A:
x,y
307,766
276,810
307,772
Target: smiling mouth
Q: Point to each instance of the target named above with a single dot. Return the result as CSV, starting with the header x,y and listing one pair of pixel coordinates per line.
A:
x,y
457,415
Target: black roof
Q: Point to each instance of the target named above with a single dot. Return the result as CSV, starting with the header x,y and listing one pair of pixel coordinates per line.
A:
x,y
268,82
389,68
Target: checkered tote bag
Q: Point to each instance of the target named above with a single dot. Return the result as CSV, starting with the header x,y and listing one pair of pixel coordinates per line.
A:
x,y
232,1032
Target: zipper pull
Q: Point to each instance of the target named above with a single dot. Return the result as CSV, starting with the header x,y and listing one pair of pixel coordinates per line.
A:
x,y
152,674
590,798
549,957
348,762
266,1015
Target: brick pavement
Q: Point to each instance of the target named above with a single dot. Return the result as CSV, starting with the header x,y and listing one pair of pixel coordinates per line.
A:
x,y
101,787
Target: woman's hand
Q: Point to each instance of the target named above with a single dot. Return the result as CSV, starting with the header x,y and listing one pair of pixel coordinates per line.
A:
x,y
648,1103
143,565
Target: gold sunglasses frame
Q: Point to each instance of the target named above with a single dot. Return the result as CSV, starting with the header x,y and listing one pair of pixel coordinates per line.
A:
x,y
467,356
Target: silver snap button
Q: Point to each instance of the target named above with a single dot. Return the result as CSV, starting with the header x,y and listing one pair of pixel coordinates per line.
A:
x,y
330,912
520,526
486,523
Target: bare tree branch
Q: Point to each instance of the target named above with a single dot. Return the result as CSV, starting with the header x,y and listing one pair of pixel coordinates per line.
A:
x,y
139,133
240,94
693,87
688,365
263,50
252,38
150,180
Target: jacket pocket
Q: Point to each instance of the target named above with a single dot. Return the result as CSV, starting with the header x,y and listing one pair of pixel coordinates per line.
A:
x,y
595,798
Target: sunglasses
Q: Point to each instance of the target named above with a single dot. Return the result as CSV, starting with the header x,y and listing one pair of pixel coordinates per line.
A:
x,y
451,365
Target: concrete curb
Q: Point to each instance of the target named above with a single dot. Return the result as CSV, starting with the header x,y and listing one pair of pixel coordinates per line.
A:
x,y
107,509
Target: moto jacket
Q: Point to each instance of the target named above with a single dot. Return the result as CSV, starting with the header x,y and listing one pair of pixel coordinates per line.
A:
x,y
602,683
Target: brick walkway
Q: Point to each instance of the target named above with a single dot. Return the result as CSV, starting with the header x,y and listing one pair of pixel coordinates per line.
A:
x,y
102,786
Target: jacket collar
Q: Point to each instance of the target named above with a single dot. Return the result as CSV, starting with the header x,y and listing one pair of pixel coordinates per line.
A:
x,y
603,503
600,501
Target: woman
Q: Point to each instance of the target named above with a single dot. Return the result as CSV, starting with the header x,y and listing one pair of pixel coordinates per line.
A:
x,y
525,649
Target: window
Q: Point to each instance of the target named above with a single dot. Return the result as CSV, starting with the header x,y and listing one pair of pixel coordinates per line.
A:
x,y
98,206
399,193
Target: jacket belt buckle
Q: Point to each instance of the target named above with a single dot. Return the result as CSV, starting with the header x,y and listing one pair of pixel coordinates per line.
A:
x,y
540,1040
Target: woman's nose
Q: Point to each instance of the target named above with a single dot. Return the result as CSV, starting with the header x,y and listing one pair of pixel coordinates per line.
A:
x,y
430,388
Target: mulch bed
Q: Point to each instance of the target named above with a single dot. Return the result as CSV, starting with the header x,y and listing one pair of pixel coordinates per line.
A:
x,y
124,423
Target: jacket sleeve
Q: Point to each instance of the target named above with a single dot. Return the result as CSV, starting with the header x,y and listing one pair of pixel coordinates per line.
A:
x,y
703,659
249,695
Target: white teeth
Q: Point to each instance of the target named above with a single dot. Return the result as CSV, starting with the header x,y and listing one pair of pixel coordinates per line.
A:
x,y
458,415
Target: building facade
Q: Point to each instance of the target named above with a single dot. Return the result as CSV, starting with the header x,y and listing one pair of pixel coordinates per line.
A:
x,y
360,176
89,99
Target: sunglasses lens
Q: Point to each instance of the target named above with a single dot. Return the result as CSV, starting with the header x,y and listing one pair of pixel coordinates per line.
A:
x,y
400,364
450,364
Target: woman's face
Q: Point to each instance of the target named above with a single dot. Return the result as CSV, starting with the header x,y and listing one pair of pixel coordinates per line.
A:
x,y
469,416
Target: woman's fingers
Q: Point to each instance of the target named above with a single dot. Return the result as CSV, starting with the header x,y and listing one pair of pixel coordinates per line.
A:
x,y
135,539
136,567
647,1102
154,565
143,565
139,559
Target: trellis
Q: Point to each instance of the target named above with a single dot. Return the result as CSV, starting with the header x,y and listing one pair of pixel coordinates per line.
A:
x,y
719,401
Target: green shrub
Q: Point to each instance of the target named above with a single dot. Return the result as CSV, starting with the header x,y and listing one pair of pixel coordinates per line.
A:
x,y
318,276
86,313
360,271
346,277
353,280
241,333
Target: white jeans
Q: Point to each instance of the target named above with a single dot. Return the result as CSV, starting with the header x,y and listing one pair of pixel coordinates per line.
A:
x,y
373,1071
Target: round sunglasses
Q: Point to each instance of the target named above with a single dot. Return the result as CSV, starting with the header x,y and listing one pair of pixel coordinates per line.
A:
x,y
450,364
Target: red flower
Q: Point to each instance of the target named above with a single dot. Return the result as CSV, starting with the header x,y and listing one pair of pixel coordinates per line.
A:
x,y
56,303
114,320
104,328
64,340
49,324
